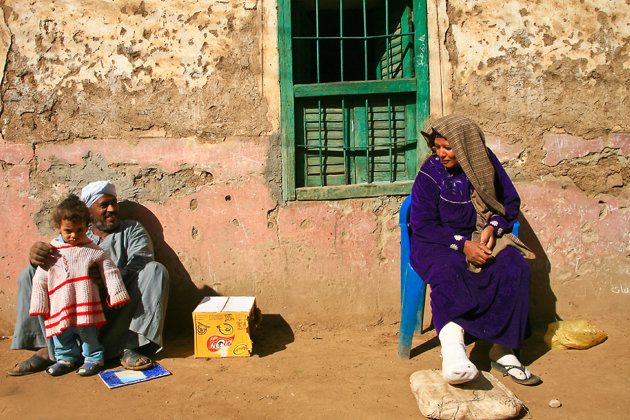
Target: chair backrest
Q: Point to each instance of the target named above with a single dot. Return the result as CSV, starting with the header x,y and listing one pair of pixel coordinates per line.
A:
x,y
403,222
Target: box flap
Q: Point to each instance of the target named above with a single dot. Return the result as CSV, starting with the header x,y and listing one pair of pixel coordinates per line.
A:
x,y
212,304
239,304
225,304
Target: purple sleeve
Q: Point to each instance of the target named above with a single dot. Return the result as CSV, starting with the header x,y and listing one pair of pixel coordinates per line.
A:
x,y
425,216
507,195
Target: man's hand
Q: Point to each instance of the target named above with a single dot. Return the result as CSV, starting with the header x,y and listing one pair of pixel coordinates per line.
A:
x,y
477,253
42,254
95,274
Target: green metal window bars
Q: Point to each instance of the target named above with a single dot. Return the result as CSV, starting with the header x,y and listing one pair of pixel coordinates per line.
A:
x,y
350,89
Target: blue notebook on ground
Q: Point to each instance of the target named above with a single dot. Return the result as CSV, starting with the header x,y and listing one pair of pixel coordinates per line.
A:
x,y
117,378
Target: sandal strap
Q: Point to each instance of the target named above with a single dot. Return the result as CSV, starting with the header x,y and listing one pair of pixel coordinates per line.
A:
x,y
521,368
130,359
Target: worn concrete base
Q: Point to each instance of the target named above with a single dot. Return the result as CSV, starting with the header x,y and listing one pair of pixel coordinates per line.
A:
x,y
484,398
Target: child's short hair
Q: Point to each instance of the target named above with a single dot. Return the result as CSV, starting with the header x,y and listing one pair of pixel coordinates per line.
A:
x,y
71,209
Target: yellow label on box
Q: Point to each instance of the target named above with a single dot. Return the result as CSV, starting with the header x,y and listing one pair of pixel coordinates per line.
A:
x,y
222,326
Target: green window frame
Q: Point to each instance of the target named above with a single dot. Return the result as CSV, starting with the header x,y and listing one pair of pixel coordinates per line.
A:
x,y
355,93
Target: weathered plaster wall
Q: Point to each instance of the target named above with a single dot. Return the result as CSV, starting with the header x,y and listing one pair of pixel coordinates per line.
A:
x,y
178,103
549,82
217,227
88,70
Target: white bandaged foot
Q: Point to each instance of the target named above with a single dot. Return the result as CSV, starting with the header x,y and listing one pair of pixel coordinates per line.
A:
x,y
456,367
505,357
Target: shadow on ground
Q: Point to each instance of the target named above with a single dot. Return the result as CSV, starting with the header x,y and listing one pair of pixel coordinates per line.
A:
x,y
542,300
272,335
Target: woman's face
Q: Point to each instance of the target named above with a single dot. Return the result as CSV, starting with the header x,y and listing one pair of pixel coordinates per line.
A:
x,y
445,153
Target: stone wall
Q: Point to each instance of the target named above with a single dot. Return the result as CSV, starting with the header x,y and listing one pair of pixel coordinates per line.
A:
x,y
178,103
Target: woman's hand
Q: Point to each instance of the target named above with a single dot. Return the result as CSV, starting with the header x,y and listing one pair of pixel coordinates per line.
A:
x,y
487,236
477,253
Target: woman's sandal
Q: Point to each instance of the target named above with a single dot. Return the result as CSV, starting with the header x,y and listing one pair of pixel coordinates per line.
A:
x,y
61,368
133,360
89,369
31,365
505,370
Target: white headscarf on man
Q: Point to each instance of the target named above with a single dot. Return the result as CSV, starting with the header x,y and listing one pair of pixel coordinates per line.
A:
x,y
93,191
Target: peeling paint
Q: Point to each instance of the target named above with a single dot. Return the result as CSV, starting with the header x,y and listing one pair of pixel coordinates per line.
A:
x,y
164,41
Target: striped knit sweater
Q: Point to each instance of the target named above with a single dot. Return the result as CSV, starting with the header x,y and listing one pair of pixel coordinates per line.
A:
x,y
66,296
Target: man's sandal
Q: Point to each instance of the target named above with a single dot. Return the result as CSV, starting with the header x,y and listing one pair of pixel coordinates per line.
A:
x,y
31,365
89,369
61,368
133,360
505,370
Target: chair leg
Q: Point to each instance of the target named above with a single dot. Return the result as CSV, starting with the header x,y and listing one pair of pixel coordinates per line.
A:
x,y
409,315
421,302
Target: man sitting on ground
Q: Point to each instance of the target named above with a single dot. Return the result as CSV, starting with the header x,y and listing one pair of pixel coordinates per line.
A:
x,y
131,332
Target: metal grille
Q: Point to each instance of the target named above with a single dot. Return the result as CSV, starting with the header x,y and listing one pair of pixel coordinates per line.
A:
x,y
355,93
357,140
352,40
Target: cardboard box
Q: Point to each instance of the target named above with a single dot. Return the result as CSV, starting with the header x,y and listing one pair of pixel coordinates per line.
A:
x,y
222,326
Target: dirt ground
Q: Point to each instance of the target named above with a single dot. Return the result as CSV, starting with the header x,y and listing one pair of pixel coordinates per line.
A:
x,y
310,372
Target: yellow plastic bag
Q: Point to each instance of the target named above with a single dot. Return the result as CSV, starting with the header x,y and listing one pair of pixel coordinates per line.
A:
x,y
573,334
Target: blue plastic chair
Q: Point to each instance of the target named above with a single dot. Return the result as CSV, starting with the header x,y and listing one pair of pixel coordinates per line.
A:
x,y
413,289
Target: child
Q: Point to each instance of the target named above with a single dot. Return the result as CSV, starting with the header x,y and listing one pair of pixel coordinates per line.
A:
x,y
66,296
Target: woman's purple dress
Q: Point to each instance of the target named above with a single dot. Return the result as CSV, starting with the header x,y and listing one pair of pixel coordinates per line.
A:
x,y
491,305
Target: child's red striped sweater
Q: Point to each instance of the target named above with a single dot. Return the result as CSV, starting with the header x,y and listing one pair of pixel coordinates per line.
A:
x,y
66,296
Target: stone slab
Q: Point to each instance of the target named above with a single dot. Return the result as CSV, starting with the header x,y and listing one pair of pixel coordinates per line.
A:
x,y
484,398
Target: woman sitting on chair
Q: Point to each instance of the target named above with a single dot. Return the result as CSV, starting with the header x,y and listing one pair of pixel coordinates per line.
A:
x,y
462,213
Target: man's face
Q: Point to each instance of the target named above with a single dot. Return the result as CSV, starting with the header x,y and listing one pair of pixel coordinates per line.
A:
x,y
104,213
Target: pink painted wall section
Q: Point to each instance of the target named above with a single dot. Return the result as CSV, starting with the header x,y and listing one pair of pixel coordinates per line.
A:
x,y
17,229
234,157
586,240
15,153
304,260
334,262
563,146
620,141
559,147
504,151
313,260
